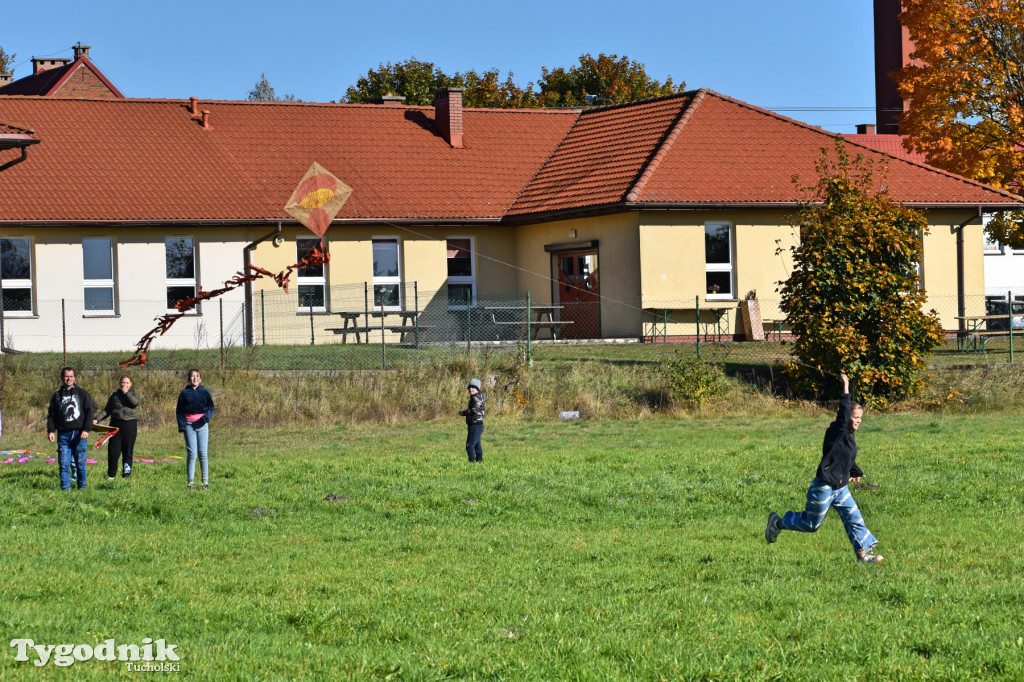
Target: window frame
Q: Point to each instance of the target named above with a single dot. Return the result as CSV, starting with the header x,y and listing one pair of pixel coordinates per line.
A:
x,y
305,280
387,280
462,279
96,283
183,281
21,284
729,267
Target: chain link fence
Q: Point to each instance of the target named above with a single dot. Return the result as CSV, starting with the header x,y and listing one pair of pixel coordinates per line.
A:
x,y
380,326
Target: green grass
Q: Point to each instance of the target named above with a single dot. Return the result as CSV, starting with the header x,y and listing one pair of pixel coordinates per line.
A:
x,y
577,550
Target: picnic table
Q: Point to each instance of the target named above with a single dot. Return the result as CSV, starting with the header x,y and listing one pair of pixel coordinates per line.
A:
x,y
974,337
504,314
408,324
717,327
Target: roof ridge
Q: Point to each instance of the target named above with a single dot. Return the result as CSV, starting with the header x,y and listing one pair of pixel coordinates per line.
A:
x,y
655,161
639,102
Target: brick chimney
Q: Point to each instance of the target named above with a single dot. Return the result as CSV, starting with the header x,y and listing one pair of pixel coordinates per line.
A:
x,y
40,64
81,51
865,128
5,78
892,53
448,115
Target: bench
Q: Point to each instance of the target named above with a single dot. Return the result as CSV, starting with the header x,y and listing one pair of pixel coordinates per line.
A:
x,y
773,328
969,340
555,326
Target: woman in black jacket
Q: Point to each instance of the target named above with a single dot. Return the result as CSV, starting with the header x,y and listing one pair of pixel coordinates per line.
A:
x,y
829,488
121,408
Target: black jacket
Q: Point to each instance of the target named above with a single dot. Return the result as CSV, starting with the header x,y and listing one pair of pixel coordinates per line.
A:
x,y
70,410
121,405
839,451
474,413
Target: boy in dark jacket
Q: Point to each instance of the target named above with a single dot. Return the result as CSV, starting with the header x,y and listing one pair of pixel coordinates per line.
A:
x,y
829,488
474,415
68,421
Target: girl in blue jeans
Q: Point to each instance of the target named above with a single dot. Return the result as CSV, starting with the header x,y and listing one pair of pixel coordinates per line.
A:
x,y
195,409
829,488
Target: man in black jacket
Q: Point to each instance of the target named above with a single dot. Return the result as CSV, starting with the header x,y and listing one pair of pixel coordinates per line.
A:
x,y
68,421
829,488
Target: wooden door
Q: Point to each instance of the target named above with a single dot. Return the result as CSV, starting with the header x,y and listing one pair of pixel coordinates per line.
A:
x,y
579,294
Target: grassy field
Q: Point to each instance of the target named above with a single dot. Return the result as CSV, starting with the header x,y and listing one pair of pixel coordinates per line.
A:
x,y
576,550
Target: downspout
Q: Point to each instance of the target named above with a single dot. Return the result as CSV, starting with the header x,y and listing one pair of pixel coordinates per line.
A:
x,y
3,338
248,285
961,287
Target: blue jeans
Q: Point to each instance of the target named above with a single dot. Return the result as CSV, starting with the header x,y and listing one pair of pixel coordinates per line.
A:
x,y
196,442
473,448
71,444
819,498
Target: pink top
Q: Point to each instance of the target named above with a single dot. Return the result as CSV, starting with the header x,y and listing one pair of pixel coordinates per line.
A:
x,y
193,417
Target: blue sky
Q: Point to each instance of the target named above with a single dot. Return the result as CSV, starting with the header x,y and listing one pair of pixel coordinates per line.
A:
x,y
789,56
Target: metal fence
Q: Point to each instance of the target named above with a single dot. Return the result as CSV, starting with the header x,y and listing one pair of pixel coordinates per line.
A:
x,y
377,327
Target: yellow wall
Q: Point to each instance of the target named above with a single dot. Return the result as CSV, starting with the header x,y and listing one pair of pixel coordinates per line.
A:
x,y
940,267
618,259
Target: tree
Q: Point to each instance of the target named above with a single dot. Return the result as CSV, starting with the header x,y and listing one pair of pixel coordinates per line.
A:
x,y
7,62
606,76
263,91
853,298
966,93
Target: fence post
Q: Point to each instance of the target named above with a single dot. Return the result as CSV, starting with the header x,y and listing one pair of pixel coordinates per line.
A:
x,y
416,309
221,301
263,317
312,337
1009,311
529,337
383,347
697,301
64,332
469,323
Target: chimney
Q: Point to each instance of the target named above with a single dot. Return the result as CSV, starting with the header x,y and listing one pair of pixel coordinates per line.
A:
x,y
80,51
865,129
40,64
389,100
5,78
193,106
206,119
448,114
892,53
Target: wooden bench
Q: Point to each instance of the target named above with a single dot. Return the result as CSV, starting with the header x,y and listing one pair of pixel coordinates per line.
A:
x,y
773,328
969,340
554,326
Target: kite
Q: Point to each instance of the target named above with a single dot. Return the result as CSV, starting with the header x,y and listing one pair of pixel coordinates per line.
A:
x,y
107,431
314,203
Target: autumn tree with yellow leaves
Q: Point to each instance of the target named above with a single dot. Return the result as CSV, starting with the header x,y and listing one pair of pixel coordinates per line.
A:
x,y
853,299
966,93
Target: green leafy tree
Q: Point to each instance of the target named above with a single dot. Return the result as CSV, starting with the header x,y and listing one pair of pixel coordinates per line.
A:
x,y
853,298
263,91
610,77
6,61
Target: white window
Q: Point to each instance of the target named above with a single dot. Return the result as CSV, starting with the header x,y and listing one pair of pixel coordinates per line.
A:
x,y
181,269
387,282
461,273
992,247
98,275
16,272
312,280
718,260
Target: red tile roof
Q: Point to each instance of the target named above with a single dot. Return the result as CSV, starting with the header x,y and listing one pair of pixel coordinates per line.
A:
x,y
149,160
48,83
138,160
890,144
712,151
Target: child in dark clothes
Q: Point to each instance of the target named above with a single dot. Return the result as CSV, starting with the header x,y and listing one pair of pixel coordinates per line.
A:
x,y
474,414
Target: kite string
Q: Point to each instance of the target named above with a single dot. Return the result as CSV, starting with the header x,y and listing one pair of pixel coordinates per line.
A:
x,y
182,307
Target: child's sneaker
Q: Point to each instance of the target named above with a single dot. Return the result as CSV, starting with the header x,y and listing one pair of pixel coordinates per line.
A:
x,y
774,527
110,478
871,559
190,486
127,471
206,486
